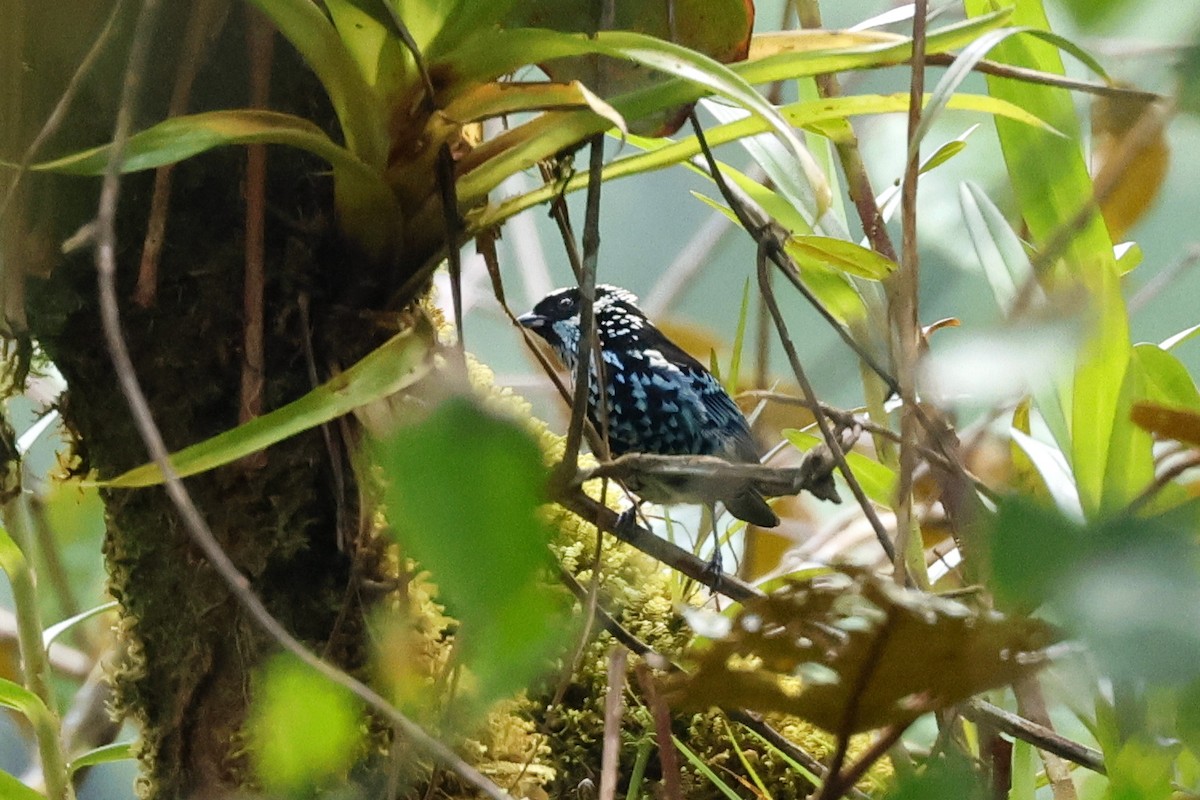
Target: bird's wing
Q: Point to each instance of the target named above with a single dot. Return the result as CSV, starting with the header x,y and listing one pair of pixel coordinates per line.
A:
x,y
722,412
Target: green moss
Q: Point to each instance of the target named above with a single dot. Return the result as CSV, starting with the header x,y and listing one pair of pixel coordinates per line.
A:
x,y
637,591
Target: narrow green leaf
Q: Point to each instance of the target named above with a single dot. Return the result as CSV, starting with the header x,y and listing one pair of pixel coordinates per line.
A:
x,y
18,698
519,149
739,338
1052,184
832,288
877,480
523,146
358,107
804,771
368,38
462,492
59,628
1187,333
395,365
500,99
106,754
366,205
1051,466
704,769
971,55
13,789
841,255
448,23
1000,252
1167,380
1129,257
699,70
947,150
1025,767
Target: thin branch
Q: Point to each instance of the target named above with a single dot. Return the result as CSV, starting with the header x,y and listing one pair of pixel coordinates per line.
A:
x,y
675,557
1037,735
858,181
194,523
846,779
260,42
587,349
709,476
905,311
614,707
1026,75
747,719
833,786
201,21
689,565
660,712
1032,704
1163,479
769,246
561,214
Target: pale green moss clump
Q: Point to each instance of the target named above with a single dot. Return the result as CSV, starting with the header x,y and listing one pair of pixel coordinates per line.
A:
x,y
637,591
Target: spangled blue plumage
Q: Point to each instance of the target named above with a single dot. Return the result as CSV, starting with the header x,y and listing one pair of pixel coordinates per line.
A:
x,y
658,399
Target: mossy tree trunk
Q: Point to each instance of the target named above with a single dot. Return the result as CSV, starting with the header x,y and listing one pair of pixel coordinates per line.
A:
x,y
191,650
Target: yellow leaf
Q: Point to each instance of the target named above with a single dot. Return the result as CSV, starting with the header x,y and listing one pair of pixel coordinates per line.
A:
x,y
1145,168
1179,424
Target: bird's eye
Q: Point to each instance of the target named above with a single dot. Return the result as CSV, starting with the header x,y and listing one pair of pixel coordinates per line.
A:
x,y
564,303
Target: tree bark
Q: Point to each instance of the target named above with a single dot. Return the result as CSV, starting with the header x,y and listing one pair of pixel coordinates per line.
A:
x,y
188,675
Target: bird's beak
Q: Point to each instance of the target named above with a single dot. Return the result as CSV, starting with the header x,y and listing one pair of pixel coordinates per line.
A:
x,y
531,320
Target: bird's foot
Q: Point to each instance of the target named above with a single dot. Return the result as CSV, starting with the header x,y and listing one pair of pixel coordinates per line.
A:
x,y
713,571
626,522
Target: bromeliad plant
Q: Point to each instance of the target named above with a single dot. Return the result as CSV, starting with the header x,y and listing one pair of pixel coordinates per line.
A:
x,y
635,74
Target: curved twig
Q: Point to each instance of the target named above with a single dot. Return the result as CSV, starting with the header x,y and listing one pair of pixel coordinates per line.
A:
x,y
194,522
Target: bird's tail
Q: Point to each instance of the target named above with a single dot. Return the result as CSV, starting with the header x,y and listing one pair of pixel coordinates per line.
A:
x,y
751,507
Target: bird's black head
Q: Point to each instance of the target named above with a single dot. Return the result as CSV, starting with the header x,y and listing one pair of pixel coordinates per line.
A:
x,y
556,316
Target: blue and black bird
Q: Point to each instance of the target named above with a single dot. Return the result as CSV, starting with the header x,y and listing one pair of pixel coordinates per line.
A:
x,y
658,399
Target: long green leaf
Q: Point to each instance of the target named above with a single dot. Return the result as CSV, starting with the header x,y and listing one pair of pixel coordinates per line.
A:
x,y
18,698
704,769
367,36
971,55
832,289
999,250
107,754
557,130
395,365
523,147
358,107
1051,183
500,99
59,628
367,207
702,73
13,789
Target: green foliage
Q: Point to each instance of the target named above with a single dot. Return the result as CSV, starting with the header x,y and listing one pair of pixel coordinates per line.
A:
x,y
396,364
947,777
464,487
305,731
462,492
1109,582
